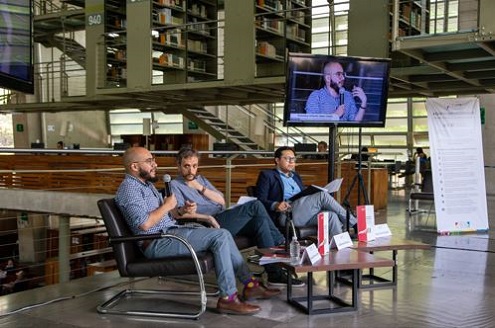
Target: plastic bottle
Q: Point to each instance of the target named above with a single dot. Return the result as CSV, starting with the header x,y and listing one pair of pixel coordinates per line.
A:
x,y
295,250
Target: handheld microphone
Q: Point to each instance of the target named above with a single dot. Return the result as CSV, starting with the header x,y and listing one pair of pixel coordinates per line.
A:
x,y
341,93
167,191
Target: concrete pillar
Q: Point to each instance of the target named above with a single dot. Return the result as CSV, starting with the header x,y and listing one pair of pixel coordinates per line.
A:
x,y
64,248
239,53
139,61
31,236
95,50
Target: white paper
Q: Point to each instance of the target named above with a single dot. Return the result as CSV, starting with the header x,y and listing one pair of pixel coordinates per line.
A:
x,y
342,240
382,230
243,200
311,252
334,186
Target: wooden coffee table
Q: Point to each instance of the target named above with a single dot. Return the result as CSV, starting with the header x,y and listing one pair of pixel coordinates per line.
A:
x,y
392,244
346,259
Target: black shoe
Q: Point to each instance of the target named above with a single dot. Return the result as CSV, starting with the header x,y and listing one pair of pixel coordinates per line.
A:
x,y
280,279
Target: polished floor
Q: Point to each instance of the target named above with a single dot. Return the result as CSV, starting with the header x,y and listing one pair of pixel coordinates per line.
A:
x,y
451,285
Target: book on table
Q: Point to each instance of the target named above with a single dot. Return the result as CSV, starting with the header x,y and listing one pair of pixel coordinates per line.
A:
x,y
274,258
332,187
276,254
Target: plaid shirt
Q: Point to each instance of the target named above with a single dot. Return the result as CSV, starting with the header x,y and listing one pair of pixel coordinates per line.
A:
x,y
136,200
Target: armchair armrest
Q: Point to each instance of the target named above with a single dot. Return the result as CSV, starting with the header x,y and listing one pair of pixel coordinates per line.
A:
x,y
114,240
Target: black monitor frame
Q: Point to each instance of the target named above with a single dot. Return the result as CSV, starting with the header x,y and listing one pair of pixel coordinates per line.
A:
x,y
304,75
16,45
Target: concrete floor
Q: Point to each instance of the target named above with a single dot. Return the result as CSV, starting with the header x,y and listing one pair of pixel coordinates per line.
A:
x,y
450,285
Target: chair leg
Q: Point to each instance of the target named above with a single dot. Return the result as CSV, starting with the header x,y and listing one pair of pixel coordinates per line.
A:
x,y
109,307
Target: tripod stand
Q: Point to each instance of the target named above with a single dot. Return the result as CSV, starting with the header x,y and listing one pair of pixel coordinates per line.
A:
x,y
361,189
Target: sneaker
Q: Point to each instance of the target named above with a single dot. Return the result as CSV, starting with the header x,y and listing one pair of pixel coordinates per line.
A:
x,y
281,278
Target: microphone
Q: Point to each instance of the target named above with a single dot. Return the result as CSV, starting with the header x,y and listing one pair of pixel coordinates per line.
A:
x,y
341,93
166,181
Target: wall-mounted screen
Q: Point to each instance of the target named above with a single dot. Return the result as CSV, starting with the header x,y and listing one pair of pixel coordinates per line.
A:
x,y
331,90
16,52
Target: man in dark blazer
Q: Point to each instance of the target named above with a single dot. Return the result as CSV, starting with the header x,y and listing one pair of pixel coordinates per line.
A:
x,y
276,186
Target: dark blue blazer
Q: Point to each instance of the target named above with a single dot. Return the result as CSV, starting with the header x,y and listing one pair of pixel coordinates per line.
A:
x,y
270,188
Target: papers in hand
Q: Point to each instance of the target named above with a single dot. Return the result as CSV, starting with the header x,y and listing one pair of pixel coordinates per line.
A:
x,y
332,187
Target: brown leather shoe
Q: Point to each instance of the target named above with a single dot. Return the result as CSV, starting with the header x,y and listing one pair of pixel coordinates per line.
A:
x,y
260,292
236,306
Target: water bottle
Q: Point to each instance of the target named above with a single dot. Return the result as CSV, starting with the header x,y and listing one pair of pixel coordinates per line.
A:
x,y
295,250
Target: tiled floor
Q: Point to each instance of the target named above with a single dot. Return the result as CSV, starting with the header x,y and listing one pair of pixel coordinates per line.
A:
x,y
451,285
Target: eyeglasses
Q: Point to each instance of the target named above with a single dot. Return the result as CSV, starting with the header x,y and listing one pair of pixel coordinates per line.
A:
x,y
289,159
149,161
339,74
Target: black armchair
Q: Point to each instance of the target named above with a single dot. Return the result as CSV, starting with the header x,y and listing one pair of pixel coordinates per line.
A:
x,y
132,263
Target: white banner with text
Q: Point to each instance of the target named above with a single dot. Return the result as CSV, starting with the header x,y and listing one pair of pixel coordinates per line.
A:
x,y
457,164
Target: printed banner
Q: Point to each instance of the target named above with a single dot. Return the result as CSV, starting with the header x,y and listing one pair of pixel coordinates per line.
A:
x,y
457,164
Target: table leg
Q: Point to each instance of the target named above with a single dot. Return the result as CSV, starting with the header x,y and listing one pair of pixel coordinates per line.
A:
x,y
310,292
394,268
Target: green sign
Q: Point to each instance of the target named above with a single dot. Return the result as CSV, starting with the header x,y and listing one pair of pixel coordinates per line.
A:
x,y
192,125
482,115
19,128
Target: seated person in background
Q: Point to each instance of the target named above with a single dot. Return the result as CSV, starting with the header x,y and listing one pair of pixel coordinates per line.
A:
x,y
249,219
327,100
275,186
146,212
17,281
323,150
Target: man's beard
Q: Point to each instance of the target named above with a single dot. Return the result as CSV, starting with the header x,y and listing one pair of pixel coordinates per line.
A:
x,y
334,86
147,176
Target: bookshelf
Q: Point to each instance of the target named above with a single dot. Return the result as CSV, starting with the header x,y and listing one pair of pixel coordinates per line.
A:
x,y
116,43
412,17
183,40
282,26
412,20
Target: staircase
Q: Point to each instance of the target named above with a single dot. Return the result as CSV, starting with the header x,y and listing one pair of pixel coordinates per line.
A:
x,y
71,48
218,128
54,27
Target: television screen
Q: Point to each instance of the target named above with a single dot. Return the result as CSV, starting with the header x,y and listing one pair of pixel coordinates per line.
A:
x,y
16,53
326,90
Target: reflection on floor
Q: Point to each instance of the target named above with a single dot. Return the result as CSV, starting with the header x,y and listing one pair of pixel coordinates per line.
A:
x,y
451,285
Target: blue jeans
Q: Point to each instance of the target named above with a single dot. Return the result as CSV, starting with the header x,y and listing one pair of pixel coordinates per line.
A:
x,y
251,220
229,262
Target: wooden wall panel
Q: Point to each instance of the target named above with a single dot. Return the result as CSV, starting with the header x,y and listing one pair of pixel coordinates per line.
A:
x,y
103,174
